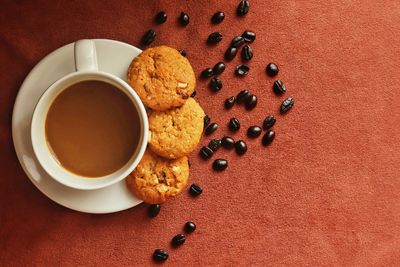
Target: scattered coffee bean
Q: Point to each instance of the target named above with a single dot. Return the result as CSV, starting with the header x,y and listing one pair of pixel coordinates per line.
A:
x,y
195,190
229,102
214,38
227,142
242,69
268,138
240,147
160,255
193,94
278,87
148,37
161,17
184,19
206,152
211,128
237,41
254,131
206,73
218,17
207,120
220,164
268,122
215,84
251,102
190,227
153,210
242,96
214,144
247,53
249,36
182,52
287,104
219,68
272,69
178,240
230,53
243,8
234,125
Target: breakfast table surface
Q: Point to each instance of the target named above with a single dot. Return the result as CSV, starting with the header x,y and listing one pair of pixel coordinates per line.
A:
x,y
326,192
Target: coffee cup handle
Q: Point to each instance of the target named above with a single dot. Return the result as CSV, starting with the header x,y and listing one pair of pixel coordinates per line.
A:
x,y
85,55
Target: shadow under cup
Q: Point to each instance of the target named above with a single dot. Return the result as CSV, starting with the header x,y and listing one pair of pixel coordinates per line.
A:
x,y
43,145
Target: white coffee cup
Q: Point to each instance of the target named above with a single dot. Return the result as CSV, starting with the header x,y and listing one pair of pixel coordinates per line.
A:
x,y
86,69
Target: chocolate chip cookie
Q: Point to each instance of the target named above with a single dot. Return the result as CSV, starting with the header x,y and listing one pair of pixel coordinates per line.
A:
x,y
162,78
176,132
156,179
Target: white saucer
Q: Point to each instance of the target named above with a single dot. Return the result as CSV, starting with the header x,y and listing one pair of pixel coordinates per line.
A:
x,y
113,57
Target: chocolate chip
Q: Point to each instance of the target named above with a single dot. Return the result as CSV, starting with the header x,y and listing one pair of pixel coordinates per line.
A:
x,y
206,152
160,255
237,41
178,240
249,36
190,227
218,68
206,73
247,53
214,144
240,147
182,52
254,131
215,84
278,87
230,53
211,128
234,125
251,102
268,122
206,120
287,104
272,69
243,8
227,142
242,96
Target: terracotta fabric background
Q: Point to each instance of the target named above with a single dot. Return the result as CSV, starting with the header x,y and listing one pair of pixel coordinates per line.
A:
x,y
325,193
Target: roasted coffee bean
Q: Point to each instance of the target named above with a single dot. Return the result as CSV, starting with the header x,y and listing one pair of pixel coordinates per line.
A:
x,y
193,94
220,164
230,53
242,69
268,138
272,69
234,125
278,87
229,102
218,17
227,142
242,96
240,147
182,52
249,36
153,210
161,17
247,53
195,190
251,102
243,8
184,19
215,84
219,68
206,73
268,122
148,37
214,38
237,41
207,120
206,152
254,131
211,128
287,104
178,240
214,144
160,255
190,227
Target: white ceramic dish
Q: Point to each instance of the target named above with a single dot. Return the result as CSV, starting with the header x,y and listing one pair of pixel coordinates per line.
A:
x,y
113,57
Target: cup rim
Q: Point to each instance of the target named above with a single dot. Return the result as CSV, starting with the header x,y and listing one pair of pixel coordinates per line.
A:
x,y
91,183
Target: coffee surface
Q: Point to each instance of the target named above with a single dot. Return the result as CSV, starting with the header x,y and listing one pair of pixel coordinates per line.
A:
x,y
92,128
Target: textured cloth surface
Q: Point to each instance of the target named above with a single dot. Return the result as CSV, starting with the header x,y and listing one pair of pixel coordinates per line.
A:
x,y
325,193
